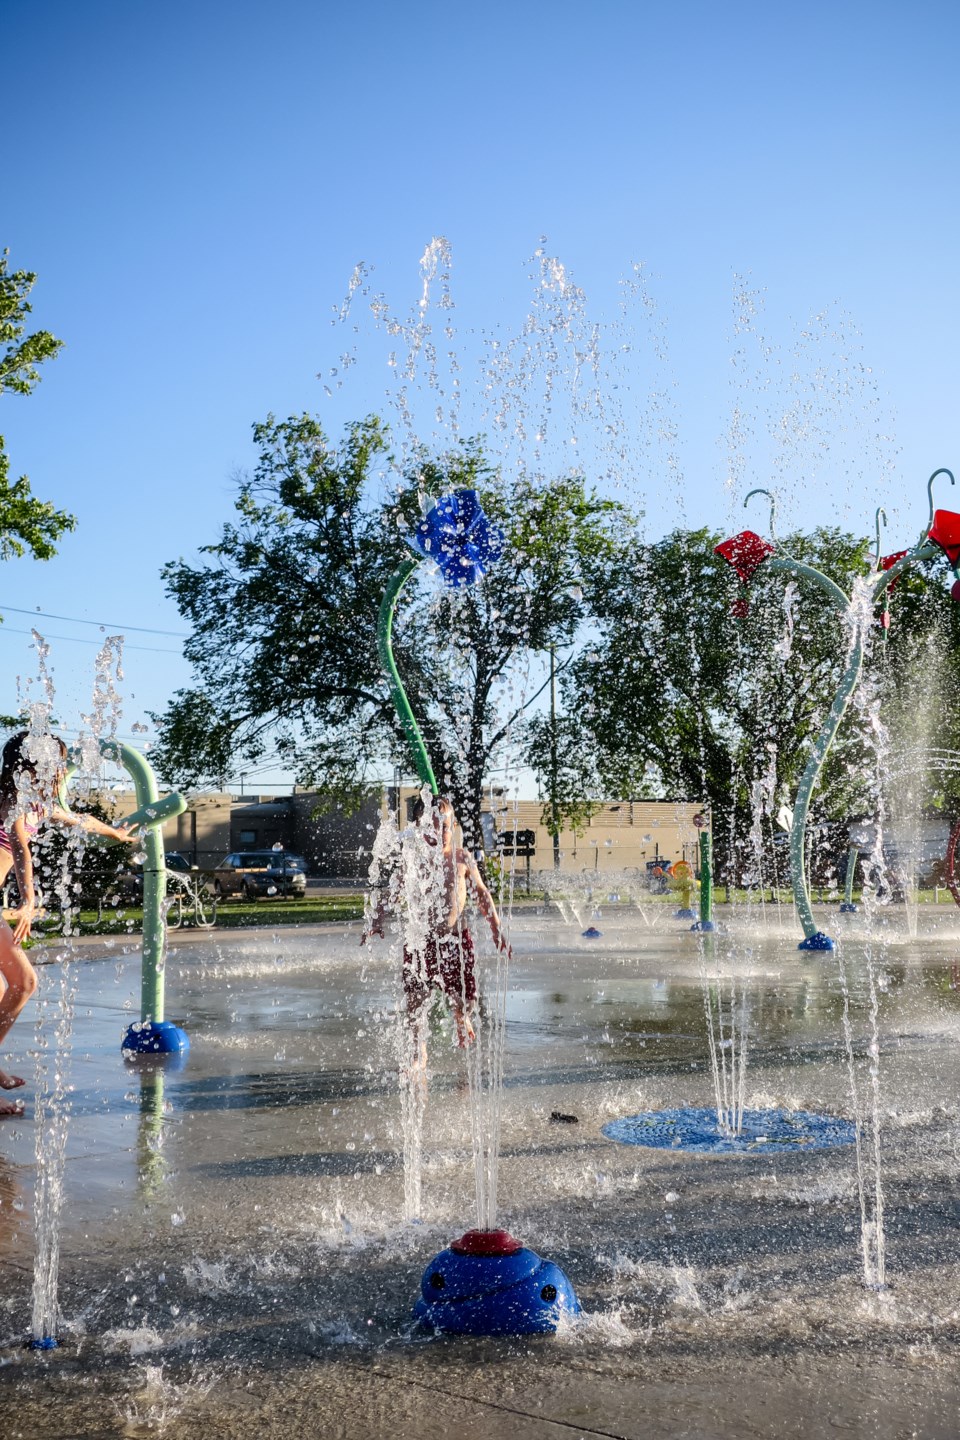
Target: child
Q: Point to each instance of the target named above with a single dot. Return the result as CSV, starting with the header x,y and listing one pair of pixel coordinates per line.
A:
x,y
433,880
32,768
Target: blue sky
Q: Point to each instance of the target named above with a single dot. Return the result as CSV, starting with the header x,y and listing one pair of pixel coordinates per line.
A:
x,y
194,184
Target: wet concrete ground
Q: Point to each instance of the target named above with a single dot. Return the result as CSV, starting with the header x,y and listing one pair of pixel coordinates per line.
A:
x,y
234,1254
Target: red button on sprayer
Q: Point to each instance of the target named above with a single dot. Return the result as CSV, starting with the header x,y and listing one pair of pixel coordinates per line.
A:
x,y
487,1243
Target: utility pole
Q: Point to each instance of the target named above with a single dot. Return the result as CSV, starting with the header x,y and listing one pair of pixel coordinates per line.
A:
x,y
554,808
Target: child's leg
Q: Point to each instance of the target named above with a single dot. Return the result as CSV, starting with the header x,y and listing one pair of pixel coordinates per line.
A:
x,y
464,1023
457,969
20,980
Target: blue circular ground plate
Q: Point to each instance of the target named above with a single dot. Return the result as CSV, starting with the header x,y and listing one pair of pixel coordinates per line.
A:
x,y
764,1131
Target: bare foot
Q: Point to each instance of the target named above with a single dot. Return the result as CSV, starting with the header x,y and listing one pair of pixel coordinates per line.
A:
x,y
465,1031
10,1082
10,1107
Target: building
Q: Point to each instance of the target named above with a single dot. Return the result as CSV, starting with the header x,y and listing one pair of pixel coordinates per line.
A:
x,y
621,835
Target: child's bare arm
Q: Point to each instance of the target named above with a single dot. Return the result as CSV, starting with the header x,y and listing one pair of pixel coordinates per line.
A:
x,y
383,895
376,917
93,826
485,901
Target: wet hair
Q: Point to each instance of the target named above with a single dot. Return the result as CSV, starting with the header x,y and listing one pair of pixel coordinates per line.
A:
x,y
417,807
23,755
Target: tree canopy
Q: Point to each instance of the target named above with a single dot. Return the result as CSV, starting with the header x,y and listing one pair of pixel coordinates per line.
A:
x,y
26,523
284,611
681,695
665,691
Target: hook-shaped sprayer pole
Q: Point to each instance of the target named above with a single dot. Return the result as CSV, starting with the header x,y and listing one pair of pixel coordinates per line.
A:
x,y
880,511
942,471
773,506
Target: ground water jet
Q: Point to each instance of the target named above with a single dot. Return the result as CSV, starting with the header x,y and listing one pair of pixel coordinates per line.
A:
x,y
486,1283
52,1121
52,1104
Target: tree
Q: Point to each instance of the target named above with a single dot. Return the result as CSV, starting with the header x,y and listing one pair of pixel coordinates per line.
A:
x,y
283,616
917,685
568,777
679,693
79,870
26,523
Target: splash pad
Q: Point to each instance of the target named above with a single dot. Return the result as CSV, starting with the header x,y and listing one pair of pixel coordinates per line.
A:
x,y
256,1124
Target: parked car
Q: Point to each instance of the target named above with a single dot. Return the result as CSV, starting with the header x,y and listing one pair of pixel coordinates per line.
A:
x,y
252,873
130,883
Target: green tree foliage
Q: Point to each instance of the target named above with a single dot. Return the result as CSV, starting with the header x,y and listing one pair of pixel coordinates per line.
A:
x,y
284,614
680,693
77,870
917,679
26,523
567,774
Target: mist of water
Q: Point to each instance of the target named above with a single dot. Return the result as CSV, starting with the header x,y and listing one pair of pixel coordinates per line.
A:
x,y
57,996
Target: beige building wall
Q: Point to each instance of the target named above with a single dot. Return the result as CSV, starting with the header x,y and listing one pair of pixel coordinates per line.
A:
x,y
621,835
201,833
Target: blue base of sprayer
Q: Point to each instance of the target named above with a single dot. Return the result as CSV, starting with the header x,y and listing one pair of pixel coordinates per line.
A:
x,y
762,1132
488,1284
704,927
819,941
592,933
154,1037
685,914
848,908
46,1343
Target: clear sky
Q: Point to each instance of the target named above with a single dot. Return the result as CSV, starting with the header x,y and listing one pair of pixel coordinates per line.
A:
x,y
194,183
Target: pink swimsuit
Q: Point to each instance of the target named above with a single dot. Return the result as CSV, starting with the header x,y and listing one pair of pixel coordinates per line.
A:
x,y
33,826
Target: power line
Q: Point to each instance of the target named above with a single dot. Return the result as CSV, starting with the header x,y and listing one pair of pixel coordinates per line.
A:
x,y
80,731
81,640
103,624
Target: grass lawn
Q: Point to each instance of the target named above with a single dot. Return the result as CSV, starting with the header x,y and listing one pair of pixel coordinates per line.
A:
x,y
314,909
231,914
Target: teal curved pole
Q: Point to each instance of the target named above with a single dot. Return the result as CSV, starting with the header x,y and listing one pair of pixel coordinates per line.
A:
x,y
398,694
942,471
876,523
773,506
154,1034
815,939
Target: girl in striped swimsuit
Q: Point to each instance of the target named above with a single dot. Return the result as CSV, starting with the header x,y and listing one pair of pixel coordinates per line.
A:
x,y
31,770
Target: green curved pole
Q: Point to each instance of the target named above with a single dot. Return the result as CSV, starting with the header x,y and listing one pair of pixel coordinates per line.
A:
x,y
706,880
150,813
808,780
408,720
